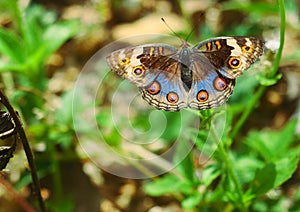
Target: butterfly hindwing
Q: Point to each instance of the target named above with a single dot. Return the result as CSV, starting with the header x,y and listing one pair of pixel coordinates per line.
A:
x,y
211,92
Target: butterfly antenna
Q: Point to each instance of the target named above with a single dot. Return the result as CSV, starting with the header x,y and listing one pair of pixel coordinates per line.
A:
x,y
189,35
163,20
194,27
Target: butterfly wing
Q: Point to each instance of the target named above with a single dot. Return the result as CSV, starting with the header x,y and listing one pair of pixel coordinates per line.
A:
x,y
209,88
231,55
215,65
155,70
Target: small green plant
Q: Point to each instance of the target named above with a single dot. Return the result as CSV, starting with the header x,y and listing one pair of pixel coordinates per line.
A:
x,y
26,44
25,48
237,179
234,179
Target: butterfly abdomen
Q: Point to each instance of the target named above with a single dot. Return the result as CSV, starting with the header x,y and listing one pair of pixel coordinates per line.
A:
x,y
185,71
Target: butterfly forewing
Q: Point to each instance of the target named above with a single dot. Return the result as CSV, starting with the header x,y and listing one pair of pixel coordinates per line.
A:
x,y
231,55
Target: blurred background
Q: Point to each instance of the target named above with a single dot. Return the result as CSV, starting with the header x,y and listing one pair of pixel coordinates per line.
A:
x,y
44,45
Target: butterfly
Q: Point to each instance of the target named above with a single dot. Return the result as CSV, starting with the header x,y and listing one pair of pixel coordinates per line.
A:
x,y
200,77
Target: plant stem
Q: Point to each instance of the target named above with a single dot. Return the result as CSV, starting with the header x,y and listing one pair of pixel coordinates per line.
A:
x,y
19,128
57,191
228,164
282,36
247,111
273,73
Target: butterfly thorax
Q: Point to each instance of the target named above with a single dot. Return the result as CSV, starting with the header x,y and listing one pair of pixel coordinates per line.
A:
x,y
185,64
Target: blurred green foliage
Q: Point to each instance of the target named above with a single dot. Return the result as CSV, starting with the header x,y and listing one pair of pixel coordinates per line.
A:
x,y
25,48
243,171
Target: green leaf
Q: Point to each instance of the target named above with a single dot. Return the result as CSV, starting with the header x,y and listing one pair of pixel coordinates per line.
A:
x,y
264,179
32,28
166,185
210,173
285,168
53,37
11,66
271,144
12,8
65,204
172,129
246,85
57,34
109,131
62,136
273,174
64,114
11,46
267,81
191,201
246,165
183,157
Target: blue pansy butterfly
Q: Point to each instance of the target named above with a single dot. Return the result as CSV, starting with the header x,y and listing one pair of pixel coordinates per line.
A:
x,y
201,77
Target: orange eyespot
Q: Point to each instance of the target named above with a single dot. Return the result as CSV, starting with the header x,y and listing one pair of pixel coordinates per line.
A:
x,y
154,88
138,71
202,96
172,97
234,62
125,61
220,84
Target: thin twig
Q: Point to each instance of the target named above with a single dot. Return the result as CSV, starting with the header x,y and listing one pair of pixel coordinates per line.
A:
x,y
20,130
17,198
